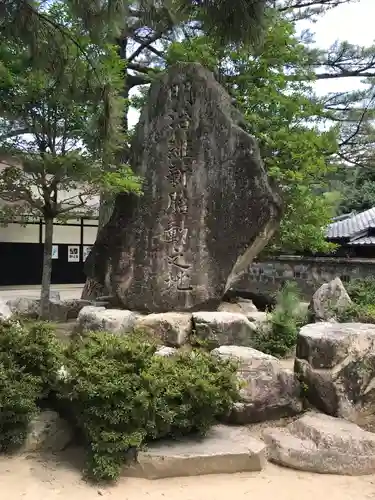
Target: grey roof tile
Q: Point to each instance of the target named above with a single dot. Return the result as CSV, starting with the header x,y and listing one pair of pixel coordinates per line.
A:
x,y
353,225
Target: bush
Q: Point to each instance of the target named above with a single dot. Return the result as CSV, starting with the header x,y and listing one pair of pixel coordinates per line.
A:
x,y
34,348
357,313
18,394
279,334
362,291
122,395
30,357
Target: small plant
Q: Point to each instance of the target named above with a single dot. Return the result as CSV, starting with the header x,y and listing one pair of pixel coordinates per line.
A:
x,y
279,334
19,392
362,310
34,348
362,291
122,395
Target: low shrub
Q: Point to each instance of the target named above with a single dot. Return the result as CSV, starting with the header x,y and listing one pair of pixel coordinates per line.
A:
x,y
122,395
34,348
19,392
30,357
278,335
362,291
357,313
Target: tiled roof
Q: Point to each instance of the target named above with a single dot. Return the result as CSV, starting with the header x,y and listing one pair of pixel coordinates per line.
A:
x,y
352,226
366,240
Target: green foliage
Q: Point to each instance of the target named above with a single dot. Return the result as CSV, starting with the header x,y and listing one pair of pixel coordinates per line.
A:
x,y
19,392
122,395
278,336
362,310
362,291
30,358
32,347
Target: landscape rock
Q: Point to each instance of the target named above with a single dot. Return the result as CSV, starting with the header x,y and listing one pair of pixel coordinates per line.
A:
x,y
224,450
207,207
268,390
173,328
166,351
91,319
241,306
65,310
336,365
29,307
328,299
323,444
5,312
47,432
223,328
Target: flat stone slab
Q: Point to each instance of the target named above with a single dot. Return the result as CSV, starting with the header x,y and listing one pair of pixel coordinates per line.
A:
x,y
225,450
323,444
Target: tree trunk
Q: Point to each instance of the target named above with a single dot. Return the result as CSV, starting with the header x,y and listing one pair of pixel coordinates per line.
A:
x,y
47,269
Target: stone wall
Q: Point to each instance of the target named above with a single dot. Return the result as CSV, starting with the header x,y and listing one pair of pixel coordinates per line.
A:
x,y
308,272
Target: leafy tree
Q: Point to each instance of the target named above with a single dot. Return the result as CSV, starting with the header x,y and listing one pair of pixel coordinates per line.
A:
x,y
57,146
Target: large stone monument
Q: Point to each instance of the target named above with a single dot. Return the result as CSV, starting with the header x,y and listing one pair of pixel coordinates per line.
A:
x,y
207,209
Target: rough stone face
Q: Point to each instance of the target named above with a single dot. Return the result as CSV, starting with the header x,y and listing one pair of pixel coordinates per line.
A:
x,y
173,329
30,307
223,328
242,306
92,319
224,450
47,432
336,364
5,312
329,298
268,391
323,444
166,351
207,209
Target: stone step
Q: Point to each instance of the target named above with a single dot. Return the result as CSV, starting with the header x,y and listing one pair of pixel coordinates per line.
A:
x,y
224,450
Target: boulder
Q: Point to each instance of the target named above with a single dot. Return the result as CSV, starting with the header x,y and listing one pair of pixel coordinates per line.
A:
x,y
241,306
268,390
207,207
223,328
47,432
5,312
224,450
323,444
91,319
166,351
173,328
29,307
65,310
336,364
329,299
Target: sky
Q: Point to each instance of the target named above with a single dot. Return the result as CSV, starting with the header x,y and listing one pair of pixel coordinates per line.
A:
x,y
352,22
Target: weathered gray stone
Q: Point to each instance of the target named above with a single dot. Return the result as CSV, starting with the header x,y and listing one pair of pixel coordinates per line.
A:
x,y
47,432
224,450
241,306
336,364
173,329
30,307
5,312
207,209
329,299
166,351
268,390
92,319
323,444
223,328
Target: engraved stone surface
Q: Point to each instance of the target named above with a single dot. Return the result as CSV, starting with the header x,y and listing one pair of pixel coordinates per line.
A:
x,y
207,209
